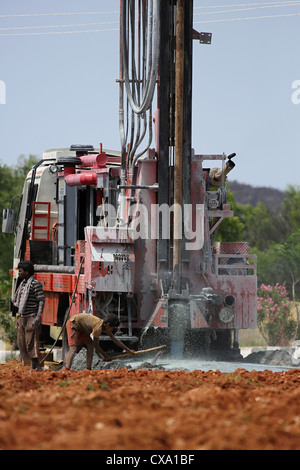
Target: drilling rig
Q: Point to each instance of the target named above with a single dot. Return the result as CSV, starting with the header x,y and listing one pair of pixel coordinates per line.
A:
x,y
133,231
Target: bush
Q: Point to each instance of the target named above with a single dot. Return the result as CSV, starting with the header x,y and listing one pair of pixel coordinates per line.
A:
x,y
7,322
274,315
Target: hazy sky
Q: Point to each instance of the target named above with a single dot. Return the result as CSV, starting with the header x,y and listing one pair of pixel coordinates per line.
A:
x,y
60,89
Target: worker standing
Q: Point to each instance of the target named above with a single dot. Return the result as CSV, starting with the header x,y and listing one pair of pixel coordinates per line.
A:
x,y
30,300
82,326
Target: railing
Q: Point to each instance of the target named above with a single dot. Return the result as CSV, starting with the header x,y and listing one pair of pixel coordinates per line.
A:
x,y
235,264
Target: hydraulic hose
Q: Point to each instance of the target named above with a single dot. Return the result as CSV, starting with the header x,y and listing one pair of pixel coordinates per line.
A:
x,y
148,91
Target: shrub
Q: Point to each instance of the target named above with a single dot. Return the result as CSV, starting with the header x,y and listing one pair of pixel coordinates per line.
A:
x,y
7,322
274,315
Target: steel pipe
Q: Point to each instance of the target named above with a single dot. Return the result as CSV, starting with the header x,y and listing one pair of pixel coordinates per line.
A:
x,y
179,108
46,268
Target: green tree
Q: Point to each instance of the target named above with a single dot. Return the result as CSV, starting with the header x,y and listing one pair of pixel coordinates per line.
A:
x,y
11,187
232,228
268,269
281,263
8,327
24,165
288,256
8,186
264,227
291,207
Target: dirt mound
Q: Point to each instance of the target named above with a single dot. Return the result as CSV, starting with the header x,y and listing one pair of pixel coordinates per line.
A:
x,y
148,409
79,363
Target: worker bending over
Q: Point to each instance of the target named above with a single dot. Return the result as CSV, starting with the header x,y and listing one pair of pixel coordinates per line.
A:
x,y
81,326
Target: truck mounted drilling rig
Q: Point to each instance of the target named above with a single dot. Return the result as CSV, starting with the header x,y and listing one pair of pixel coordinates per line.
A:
x,y
133,232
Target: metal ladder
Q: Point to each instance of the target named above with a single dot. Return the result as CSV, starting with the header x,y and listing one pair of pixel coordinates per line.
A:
x,y
36,216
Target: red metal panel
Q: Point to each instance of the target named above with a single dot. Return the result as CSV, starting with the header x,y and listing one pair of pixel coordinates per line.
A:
x,y
159,317
62,282
197,319
81,284
110,260
50,309
244,290
46,280
27,251
79,252
79,304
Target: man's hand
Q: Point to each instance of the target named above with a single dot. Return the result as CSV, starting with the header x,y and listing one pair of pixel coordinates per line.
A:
x,y
37,321
131,351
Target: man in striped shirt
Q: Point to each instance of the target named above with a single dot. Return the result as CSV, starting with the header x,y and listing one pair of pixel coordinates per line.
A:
x,y
30,300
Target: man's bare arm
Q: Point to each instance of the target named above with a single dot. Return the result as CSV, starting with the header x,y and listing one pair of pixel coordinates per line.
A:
x,y
120,344
106,357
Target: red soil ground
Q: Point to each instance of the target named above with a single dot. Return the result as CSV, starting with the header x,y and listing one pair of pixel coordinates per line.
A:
x,y
148,409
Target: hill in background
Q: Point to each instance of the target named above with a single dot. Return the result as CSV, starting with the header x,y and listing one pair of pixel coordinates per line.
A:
x,y
247,194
